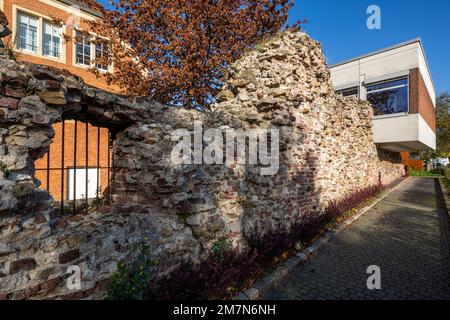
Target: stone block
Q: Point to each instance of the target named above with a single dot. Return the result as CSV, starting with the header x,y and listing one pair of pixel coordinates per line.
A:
x,y
68,256
252,294
22,265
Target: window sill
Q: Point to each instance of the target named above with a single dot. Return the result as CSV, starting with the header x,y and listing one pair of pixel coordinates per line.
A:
x,y
90,67
37,55
103,71
30,52
82,66
52,58
393,115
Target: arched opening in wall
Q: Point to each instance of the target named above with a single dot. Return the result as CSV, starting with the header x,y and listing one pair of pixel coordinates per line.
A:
x,y
77,170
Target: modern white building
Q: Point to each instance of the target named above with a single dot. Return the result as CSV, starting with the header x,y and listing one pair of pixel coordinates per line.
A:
x,y
397,81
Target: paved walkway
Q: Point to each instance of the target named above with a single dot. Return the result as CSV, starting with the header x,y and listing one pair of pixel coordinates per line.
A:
x,y
404,235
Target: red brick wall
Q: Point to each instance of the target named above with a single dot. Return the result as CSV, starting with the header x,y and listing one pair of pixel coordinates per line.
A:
x,y
420,100
43,9
55,185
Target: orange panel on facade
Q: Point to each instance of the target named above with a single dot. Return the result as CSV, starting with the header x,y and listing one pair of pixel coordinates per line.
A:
x,y
416,164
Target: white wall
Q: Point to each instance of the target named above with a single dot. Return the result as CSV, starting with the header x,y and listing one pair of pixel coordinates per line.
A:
x,y
426,134
346,75
410,130
377,67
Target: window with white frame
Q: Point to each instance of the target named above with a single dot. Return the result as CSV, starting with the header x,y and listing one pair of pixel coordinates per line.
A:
x,y
27,32
101,54
389,97
38,36
89,52
52,40
83,49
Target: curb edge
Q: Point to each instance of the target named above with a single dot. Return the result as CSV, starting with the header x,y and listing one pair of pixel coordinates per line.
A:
x,y
261,286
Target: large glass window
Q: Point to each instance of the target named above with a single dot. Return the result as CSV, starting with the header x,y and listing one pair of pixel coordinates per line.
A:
x,y
83,49
389,97
28,32
414,156
52,40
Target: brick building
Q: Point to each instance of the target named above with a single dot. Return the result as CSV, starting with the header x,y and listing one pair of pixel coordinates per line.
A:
x,y
53,33
397,82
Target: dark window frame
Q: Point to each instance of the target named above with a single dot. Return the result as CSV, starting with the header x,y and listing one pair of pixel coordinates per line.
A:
x,y
342,91
399,85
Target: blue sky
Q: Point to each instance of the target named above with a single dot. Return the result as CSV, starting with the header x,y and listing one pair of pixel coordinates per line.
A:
x,y
340,25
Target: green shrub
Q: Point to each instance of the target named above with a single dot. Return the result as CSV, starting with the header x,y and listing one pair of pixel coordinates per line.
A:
x,y
422,173
221,247
447,183
131,279
437,171
4,169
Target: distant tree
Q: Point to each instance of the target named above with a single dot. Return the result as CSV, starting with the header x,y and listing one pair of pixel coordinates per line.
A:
x,y
442,129
443,123
177,52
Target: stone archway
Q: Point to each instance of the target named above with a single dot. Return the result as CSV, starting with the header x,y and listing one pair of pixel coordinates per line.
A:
x,y
79,163
37,243
36,99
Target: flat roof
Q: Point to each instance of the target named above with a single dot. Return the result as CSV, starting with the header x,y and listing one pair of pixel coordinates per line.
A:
x,y
373,53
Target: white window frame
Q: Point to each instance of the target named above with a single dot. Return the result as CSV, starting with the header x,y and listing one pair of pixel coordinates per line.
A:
x,y
95,55
40,34
80,174
28,18
92,65
82,65
52,26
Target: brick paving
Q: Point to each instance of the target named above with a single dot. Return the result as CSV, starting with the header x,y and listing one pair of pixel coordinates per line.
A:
x,y
406,235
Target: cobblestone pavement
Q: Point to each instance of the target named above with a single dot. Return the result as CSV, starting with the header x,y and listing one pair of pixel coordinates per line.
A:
x,y
404,234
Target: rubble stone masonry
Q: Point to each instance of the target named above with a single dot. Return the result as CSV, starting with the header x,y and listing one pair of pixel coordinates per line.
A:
x,y
326,153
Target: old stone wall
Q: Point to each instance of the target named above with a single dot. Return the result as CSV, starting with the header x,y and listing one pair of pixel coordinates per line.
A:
x,y
326,149
326,153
